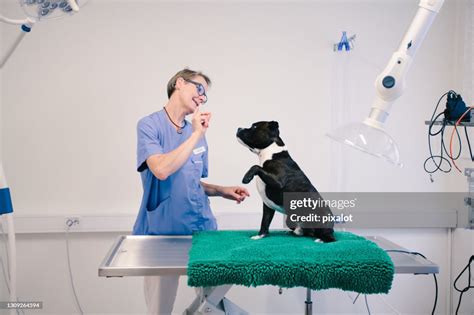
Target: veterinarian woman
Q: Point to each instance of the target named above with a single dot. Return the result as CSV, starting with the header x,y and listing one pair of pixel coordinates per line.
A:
x,y
172,158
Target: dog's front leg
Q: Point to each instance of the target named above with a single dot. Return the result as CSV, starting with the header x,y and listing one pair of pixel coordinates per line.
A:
x,y
250,174
273,180
268,178
266,221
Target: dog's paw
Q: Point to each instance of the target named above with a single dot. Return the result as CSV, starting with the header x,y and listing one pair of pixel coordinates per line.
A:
x,y
250,174
298,231
257,237
247,178
318,241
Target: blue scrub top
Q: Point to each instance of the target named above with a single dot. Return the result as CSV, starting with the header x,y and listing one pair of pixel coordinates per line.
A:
x,y
177,205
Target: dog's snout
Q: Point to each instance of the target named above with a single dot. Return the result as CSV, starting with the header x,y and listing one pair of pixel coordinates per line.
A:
x,y
238,130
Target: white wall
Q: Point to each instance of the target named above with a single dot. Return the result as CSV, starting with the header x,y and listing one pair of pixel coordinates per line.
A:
x,y
75,88
463,240
73,91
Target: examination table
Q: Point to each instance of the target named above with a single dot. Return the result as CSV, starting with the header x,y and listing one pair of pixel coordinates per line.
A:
x,y
169,255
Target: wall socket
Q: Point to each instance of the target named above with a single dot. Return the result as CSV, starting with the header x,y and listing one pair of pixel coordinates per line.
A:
x,y
71,222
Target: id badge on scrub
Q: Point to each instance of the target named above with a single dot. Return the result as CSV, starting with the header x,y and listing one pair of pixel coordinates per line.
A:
x,y
199,150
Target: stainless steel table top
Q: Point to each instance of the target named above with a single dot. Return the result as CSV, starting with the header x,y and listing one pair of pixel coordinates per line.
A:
x,y
168,255
405,263
147,256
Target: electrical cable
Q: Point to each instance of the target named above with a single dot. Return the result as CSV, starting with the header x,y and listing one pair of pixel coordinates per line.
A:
x,y
6,274
452,136
469,286
432,157
441,157
434,275
468,144
436,294
444,150
367,303
389,305
353,302
439,101
383,300
69,224
450,155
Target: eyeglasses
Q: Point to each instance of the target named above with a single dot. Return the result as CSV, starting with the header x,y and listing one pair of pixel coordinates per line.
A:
x,y
200,89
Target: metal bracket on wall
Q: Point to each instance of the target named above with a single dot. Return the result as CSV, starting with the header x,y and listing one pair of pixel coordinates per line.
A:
x,y
469,172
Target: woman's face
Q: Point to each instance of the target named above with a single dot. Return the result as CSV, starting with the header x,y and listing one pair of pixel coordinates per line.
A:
x,y
190,93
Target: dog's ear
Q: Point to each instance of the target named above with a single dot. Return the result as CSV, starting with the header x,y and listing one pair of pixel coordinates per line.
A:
x,y
273,125
274,132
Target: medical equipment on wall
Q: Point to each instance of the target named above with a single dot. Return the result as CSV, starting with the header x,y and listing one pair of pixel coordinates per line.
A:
x,y
455,114
35,11
370,136
345,43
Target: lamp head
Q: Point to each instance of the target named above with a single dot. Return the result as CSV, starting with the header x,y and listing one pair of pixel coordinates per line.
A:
x,y
370,138
49,9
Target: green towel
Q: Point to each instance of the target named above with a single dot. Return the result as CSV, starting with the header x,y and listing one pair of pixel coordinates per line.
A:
x,y
352,263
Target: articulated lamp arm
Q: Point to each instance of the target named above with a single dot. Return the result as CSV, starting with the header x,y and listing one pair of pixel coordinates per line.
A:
x,y
370,136
390,84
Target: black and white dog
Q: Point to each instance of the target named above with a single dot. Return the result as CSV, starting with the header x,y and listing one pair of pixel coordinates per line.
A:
x,y
276,174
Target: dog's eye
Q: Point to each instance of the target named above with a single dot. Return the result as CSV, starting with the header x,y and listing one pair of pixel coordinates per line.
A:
x,y
253,126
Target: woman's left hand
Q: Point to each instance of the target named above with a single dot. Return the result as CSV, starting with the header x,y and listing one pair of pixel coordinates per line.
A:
x,y
235,193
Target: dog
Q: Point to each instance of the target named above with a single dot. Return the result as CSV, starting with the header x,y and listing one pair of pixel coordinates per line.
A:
x,y
277,173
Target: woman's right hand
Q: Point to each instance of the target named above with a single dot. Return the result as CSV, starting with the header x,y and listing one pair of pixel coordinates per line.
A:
x,y
200,122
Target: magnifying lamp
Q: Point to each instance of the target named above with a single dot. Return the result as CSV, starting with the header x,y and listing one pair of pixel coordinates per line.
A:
x,y
35,11
369,135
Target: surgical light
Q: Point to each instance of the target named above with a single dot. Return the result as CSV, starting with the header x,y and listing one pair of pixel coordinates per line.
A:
x,y
35,11
48,9
370,136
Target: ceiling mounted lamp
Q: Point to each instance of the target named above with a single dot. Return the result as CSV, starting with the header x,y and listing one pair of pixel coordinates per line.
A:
x,y
369,135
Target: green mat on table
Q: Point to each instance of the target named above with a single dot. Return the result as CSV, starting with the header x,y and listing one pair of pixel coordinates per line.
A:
x,y
282,259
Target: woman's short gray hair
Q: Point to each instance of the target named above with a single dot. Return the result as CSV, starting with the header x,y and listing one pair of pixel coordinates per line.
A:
x,y
186,74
